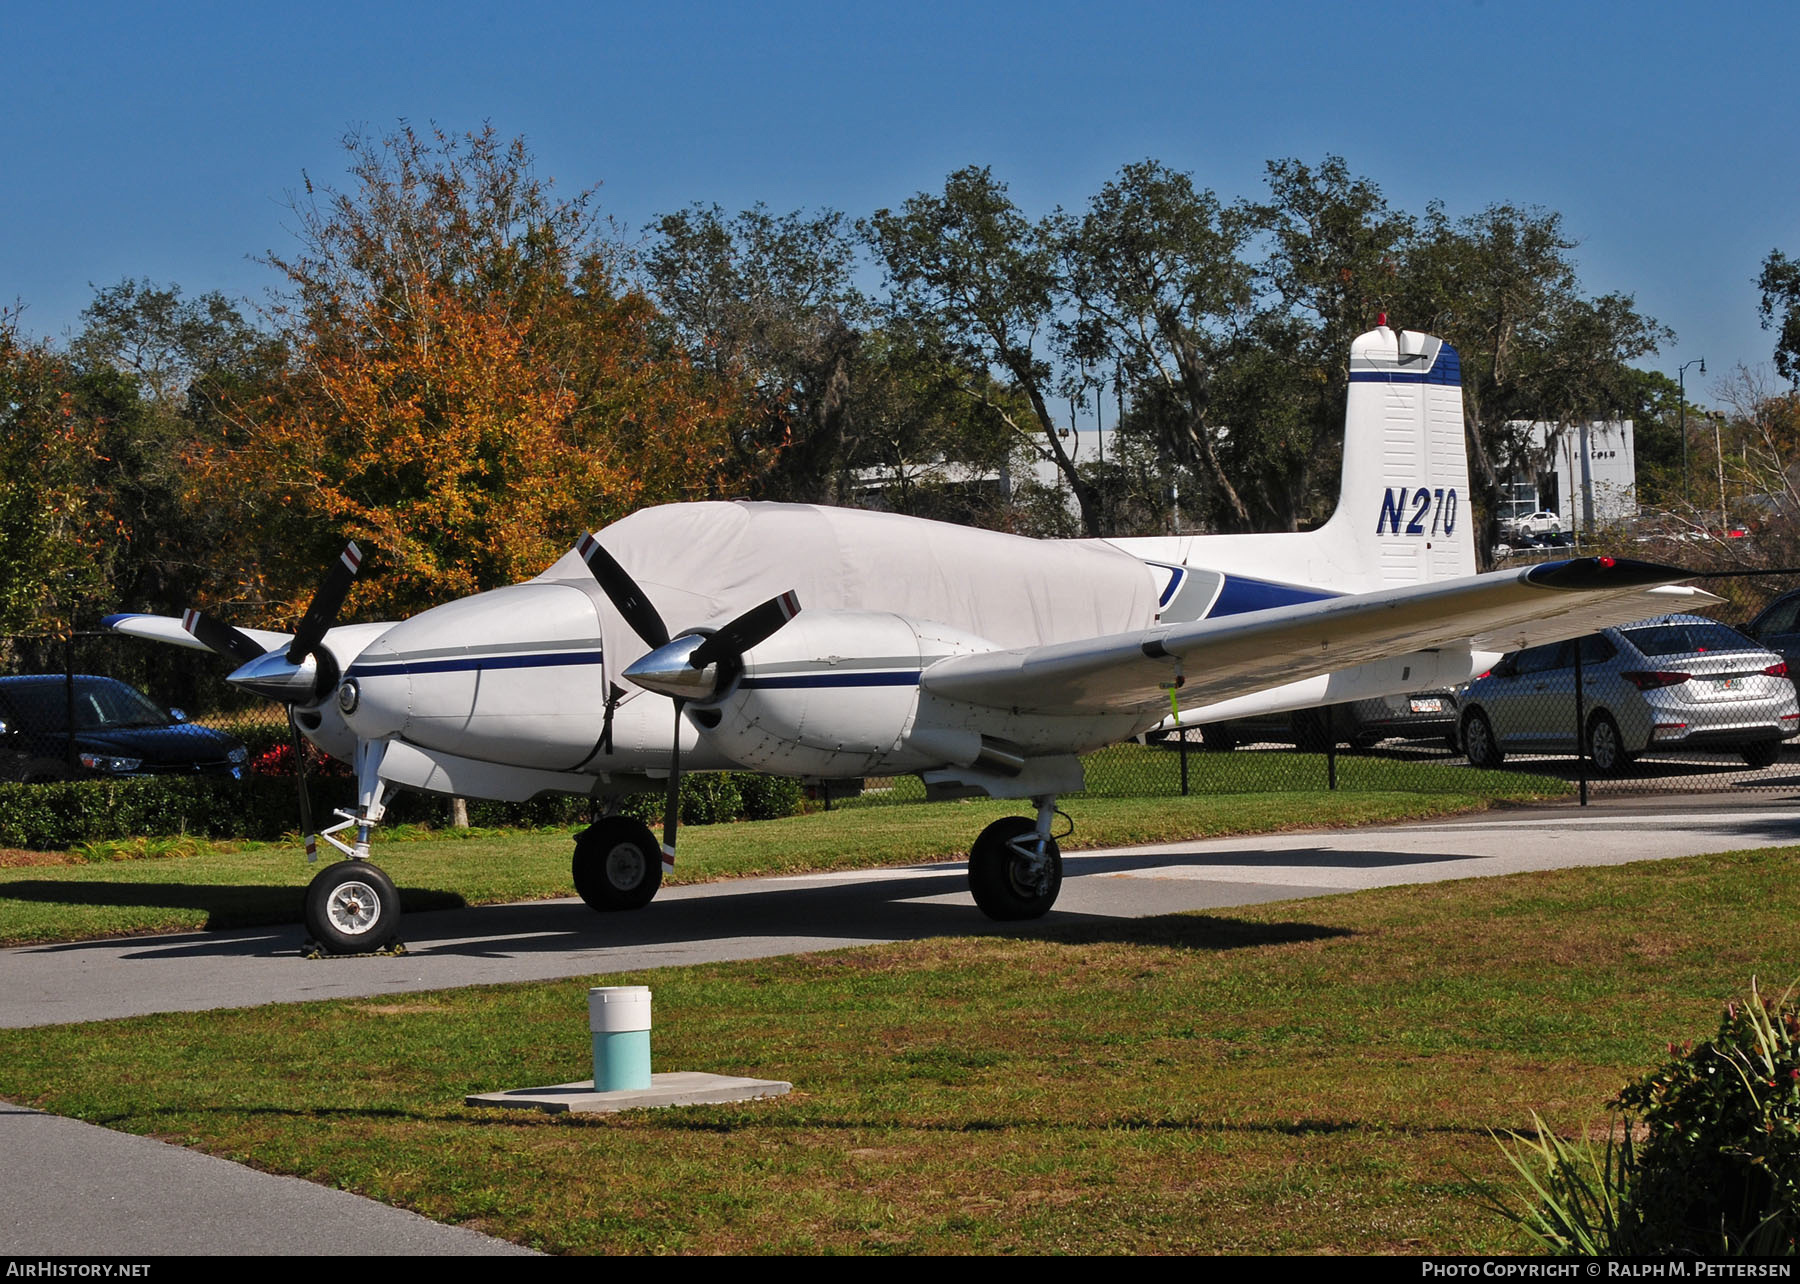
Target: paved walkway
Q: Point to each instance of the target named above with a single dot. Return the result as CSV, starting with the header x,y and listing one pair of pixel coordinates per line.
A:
x,y
68,1187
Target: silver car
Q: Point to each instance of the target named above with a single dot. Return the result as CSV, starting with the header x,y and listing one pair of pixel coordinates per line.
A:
x,y
1675,682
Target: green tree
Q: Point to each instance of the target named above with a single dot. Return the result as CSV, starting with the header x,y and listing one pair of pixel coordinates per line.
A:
x,y
52,535
987,284
470,384
153,372
1333,254
1780,309
1501,287
771,299
1158,284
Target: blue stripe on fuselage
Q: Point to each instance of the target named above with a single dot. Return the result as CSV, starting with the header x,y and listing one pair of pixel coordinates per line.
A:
x,y
1239,594
891,679
470,663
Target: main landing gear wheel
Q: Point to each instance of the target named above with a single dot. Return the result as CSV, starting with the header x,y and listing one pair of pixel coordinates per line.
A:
x,y
1012,872
618,864
352,908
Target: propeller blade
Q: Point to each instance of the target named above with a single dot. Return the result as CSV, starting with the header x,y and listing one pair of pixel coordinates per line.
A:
x,y
322,611
306,824
753,626
624,593
221,637
672,808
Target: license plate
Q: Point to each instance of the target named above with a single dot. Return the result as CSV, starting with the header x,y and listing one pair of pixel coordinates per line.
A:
x,y
1727,684
1427,706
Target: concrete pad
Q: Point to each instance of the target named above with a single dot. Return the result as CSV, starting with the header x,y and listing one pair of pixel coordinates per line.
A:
x,y
677,1088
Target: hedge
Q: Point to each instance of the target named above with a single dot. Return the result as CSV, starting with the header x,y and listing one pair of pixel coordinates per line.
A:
x,y
58,816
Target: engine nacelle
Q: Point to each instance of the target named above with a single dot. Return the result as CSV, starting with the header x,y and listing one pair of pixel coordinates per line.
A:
x,y
833,693
512,676
836,693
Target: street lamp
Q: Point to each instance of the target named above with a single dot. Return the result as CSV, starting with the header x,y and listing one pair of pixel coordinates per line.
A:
x,y
1681,381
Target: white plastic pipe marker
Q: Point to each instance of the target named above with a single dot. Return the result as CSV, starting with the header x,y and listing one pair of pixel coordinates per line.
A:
x,y
619,1017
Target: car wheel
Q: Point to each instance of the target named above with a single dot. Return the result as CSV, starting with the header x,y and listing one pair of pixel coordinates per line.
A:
x,y
1217,738
1761,755
1310,731
1606,748
1478,740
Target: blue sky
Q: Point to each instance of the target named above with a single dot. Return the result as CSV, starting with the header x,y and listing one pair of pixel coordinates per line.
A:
x,y
161,142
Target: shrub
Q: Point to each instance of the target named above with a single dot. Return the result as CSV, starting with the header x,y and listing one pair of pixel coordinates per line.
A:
x,y
1717,1169
69,814
769,797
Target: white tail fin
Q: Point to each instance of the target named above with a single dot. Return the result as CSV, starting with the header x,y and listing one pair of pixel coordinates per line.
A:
x,y
1403,514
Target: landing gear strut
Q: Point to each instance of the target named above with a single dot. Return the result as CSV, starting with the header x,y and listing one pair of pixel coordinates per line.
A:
x,y
1015,867
352,907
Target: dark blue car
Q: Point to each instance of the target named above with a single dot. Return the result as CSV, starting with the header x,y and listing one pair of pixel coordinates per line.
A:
x,y
119,731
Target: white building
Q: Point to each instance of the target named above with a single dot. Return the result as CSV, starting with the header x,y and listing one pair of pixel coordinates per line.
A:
x,y
1587,475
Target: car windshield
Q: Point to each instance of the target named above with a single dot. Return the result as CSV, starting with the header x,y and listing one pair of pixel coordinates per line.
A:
x,y
1688,638
42,704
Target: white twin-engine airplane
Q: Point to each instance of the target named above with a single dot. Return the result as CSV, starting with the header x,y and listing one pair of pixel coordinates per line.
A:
x,y
831,644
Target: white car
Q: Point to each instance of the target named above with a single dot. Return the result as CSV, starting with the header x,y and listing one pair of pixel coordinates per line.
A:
x,y
1677,682
1539,523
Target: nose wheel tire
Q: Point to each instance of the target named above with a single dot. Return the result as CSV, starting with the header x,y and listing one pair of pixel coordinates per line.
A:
x,y
352,908
1014,874
617,865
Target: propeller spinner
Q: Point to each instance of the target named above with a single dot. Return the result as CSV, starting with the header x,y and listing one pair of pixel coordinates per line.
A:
x,y
302,674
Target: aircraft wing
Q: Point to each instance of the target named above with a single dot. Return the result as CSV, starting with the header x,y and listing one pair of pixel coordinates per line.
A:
x,y
167,628
1217,659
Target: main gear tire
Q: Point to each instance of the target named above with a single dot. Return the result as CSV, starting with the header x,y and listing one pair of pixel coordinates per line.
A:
x,y
617,864
1013,874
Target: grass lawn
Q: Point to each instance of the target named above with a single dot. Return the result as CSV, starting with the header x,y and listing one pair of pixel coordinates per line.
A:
x,y
204,885
1310,1077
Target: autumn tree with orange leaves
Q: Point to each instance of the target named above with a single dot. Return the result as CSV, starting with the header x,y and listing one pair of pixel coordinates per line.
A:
x,y
469,387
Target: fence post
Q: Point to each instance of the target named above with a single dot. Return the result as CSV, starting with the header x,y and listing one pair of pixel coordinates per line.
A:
x,y
68,650
1581,758
1181,741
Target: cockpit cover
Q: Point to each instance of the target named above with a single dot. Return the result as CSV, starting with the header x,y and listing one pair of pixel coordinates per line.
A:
x,y
702,564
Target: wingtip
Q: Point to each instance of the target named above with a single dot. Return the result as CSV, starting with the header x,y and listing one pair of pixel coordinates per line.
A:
x,y
1604,573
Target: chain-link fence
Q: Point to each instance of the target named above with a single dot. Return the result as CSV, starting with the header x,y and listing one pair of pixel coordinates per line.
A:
x,y
1664,707
98,705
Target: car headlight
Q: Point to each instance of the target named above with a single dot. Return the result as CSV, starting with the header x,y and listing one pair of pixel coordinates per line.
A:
x,y
106,762
238,755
